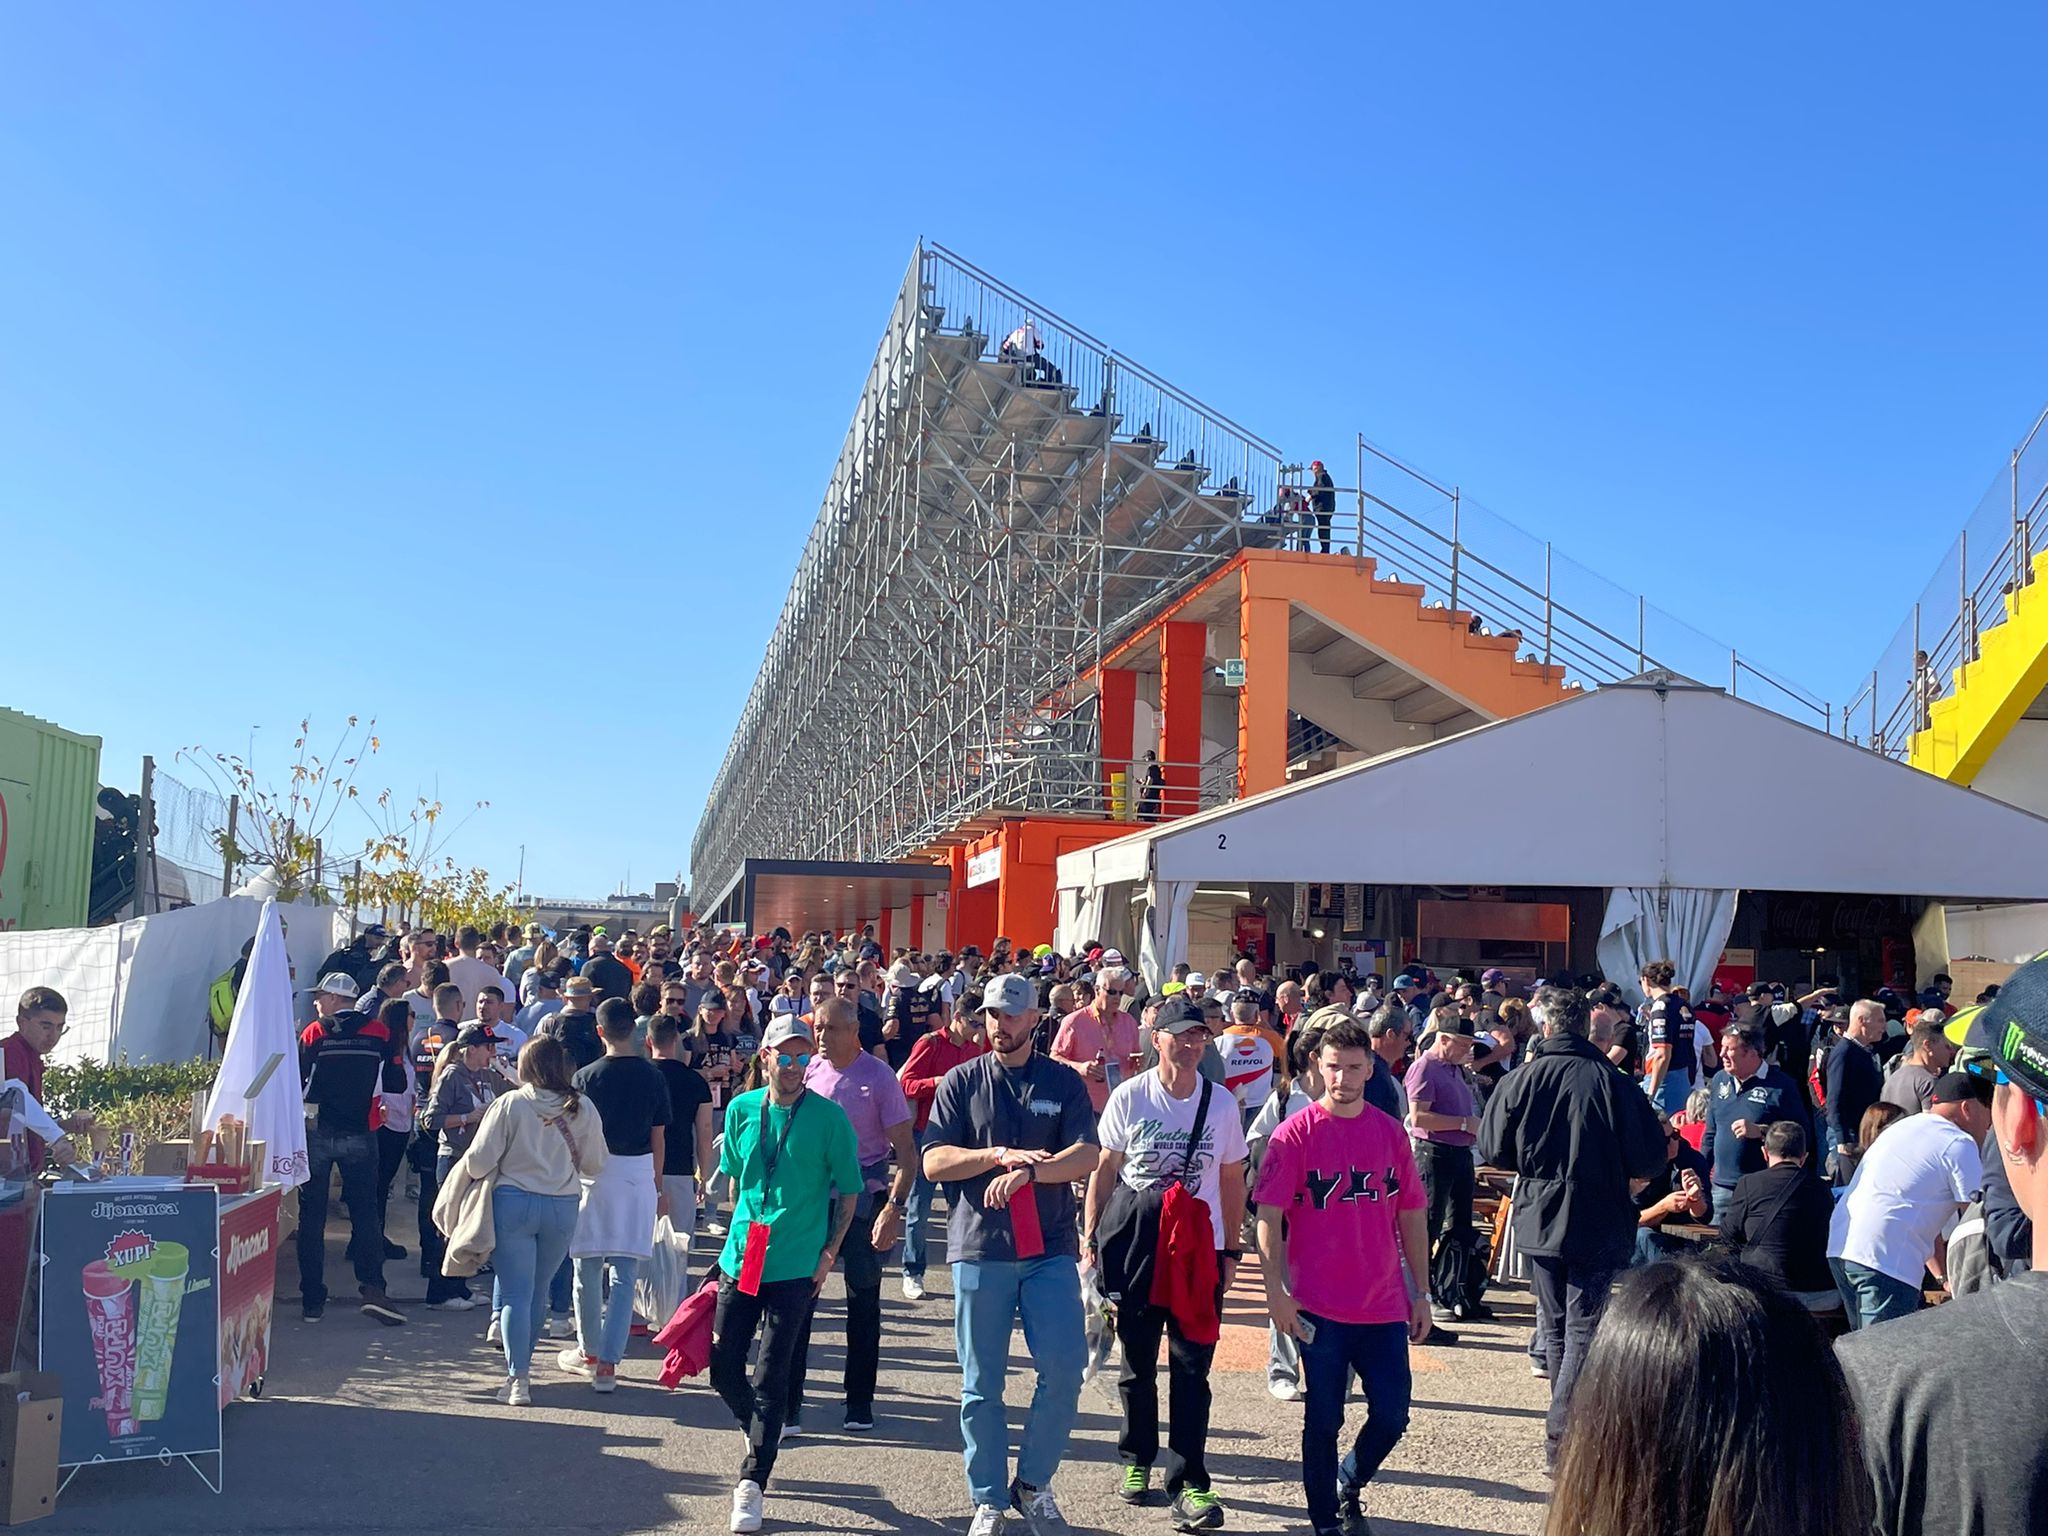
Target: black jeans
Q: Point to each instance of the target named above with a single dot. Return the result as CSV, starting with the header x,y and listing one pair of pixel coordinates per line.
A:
x,y
780,1312
1187,1396
391,1147
1447,1179
355,1153
1569,1297
863,1325
433,1246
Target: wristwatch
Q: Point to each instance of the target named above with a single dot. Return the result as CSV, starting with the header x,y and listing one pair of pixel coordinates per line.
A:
x,y
895,1204
1232,1253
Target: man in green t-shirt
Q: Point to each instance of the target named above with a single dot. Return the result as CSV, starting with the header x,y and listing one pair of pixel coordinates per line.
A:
x,y
788,1153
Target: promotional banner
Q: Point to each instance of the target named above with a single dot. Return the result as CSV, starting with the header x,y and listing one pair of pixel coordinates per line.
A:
x,y
128,1320
263,1028
248,1291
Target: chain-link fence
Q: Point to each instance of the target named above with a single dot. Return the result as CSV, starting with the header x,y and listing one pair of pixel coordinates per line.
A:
x,y
191,848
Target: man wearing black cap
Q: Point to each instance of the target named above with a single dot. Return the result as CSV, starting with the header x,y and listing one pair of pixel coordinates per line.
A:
x,y
1952,1432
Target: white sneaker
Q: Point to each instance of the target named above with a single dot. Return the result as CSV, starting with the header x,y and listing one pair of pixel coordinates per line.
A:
x,y
559,1327
913,1288
1283,1391
746,1506
505,1390
495,1334
987,1520
1041,1514
575,1362
456,1304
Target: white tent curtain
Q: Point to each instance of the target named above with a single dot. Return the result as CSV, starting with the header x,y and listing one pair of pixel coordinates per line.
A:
x,y
264,1028
1164,943
1686,926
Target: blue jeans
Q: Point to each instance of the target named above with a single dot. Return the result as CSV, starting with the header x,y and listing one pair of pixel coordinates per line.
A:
x,y
355,1152
559,1287
915,1209
989,1300
533,1237
1378,1352
1870,1296
604,1318
1724,1196
1677,1088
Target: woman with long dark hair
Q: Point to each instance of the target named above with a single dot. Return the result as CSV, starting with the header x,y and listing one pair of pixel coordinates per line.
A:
x,y
537,1143
1710,1405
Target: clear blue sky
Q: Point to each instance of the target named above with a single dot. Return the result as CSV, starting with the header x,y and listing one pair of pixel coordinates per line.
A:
x,y
480,367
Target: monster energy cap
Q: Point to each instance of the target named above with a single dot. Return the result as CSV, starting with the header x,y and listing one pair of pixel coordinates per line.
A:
x,y
2013,1029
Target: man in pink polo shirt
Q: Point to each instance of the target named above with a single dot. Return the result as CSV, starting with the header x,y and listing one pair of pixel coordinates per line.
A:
x,y
1101,1041
1340,1176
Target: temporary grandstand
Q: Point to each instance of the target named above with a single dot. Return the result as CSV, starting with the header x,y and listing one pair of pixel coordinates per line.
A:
x,y
1025,530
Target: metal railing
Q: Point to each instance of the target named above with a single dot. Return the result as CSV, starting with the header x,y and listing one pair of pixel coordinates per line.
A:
x,y
1143,408
1468,559
1991,559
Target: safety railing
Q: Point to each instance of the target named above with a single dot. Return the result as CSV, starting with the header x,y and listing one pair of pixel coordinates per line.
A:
x,y
1991,558
1172,426
1068,783
1469,559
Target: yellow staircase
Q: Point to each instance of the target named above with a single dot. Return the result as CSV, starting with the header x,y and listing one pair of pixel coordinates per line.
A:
x,y
1992,692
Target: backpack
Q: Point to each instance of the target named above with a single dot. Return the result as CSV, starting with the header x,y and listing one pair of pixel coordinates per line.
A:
x,y
220,1002
1458,1269
1825,1039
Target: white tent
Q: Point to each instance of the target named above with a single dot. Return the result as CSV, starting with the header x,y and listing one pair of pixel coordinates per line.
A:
x,y
1652,788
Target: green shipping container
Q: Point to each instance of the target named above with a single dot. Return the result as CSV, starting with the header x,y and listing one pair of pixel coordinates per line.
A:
x,y
49,785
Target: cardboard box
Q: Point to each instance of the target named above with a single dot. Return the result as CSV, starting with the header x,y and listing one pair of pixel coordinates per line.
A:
x,y
31,1418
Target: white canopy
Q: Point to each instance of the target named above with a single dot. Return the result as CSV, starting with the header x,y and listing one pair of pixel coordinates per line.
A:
x,y
1657,783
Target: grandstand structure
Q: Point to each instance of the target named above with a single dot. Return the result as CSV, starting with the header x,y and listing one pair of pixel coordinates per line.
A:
x,y
1036,559
992,524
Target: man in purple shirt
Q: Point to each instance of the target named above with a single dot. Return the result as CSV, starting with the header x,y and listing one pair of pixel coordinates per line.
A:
x,y
1443,1113
868,1091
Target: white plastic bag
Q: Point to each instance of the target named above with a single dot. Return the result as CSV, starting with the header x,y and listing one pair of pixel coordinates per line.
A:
x,y
1099,1323
664,1279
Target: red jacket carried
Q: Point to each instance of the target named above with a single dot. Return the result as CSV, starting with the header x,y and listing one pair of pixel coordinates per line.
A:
x,y
1185,1275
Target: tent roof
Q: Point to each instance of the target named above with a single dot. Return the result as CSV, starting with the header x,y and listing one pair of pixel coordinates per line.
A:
x,y
1653,782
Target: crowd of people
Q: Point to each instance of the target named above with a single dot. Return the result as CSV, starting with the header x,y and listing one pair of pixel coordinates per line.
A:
x,y
1733,1212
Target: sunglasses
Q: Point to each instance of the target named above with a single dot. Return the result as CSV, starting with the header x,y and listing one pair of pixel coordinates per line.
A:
x,y
784,1059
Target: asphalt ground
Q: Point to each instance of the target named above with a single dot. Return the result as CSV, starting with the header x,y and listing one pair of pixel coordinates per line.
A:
x,y
367,1428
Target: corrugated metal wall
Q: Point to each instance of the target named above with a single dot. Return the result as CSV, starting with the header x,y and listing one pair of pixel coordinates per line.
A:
x,y
49,782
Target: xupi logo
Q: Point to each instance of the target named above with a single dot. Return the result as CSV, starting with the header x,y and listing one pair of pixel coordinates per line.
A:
x,y
130,1248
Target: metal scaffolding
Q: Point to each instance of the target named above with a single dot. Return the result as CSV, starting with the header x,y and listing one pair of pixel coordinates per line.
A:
x,y
998,518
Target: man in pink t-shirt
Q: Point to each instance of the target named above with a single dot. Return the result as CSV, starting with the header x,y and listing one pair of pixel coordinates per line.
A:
x,y
1341,1177
1101,1041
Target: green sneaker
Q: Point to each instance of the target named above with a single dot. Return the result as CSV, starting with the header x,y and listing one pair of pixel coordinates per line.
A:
x,y
1197,1509
1136,1486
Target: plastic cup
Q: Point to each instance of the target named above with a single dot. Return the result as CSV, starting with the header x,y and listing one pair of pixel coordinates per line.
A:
x,y
161,1285
110,1312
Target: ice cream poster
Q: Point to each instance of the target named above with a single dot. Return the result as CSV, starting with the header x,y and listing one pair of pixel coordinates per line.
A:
x,y
130,1319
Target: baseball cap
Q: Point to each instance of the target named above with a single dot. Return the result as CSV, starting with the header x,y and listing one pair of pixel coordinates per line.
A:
x,y
340,983
376,931
1492,974
714,1000
785,1027
1008,993
1112,957
1178,1015
1457,1024
535,931
544,982
474,1034
1956,1087
1407,979
1196,979
2012,1029
1042,951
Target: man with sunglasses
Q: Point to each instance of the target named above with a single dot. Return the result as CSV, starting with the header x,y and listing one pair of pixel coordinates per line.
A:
x,y
1949,1399
794,1164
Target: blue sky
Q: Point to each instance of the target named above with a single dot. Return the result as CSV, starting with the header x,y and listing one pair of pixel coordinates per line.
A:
x,y
481,367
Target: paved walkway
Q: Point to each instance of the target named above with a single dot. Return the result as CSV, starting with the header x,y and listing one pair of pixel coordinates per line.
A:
x,y
371,1429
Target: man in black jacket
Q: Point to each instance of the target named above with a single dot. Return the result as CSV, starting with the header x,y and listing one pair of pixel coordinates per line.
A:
x,y
340,1069
1581,1135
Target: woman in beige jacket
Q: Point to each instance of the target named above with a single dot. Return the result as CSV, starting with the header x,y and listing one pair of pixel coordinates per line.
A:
x,y
534,1144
